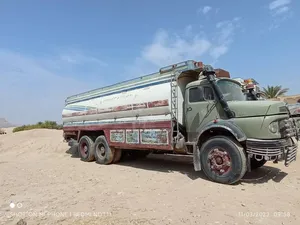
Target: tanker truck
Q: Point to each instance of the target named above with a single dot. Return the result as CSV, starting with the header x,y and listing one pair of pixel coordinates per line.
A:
x,y
251,88
187,109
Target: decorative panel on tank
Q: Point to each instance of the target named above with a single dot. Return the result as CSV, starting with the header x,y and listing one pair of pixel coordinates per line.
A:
x,y
117,136
154,136
132,136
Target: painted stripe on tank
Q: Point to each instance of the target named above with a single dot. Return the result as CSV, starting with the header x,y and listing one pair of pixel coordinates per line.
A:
x,y
87,123
143,105
120,85
79,108
117,87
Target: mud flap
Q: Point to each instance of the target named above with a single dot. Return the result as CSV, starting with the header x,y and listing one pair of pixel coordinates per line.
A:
x,y
196,158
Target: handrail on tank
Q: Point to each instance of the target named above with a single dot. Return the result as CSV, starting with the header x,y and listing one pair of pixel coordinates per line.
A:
x,y
189,65
182,66
107,87
192,65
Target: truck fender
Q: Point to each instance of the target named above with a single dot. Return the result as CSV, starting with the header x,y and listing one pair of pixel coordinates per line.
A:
x,y
220,125
223,125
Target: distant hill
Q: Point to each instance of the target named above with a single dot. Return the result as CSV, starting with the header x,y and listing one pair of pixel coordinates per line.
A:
x,y
5,124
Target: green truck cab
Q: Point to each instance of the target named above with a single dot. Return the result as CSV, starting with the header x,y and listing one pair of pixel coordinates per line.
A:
x,y
229,134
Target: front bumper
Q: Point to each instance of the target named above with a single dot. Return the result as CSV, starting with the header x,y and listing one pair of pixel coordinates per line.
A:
x,y
273,150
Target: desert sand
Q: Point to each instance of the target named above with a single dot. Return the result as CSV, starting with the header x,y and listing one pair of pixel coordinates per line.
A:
x,y
41,182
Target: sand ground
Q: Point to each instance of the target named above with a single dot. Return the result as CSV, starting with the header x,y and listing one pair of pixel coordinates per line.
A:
x,y
48,185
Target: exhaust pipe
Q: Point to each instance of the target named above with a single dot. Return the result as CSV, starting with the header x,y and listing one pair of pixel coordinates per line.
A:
x,y
209,73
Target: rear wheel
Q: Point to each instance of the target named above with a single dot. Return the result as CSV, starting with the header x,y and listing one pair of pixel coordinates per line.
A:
x,y
86,149
223,160
255,164
103,153
117,155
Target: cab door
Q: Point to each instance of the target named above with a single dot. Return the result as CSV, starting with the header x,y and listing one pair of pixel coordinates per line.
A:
x,y
199,109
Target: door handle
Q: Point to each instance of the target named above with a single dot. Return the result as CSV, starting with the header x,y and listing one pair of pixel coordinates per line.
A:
x,y
189,109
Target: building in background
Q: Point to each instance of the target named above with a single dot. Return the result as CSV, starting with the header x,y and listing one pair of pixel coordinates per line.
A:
x,y
290,99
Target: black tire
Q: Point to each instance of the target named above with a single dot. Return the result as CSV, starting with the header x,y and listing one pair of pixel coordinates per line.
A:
x,y
117,155
74,150
86,149
103,153
255,164
235,165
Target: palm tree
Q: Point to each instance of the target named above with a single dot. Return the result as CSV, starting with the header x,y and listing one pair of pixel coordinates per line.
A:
x,y
274,91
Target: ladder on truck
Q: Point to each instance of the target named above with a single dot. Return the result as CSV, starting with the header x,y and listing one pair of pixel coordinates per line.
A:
x,y
176,70
174,106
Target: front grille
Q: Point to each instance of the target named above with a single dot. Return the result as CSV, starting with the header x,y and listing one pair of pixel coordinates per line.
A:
x,y
282,149
291,155
297,122
267,149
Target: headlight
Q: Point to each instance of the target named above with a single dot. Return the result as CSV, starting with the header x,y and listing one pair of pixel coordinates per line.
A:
x,y
274,127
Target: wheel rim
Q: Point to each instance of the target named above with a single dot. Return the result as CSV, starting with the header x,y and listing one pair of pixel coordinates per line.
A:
x,y
101,153
219,161
84,149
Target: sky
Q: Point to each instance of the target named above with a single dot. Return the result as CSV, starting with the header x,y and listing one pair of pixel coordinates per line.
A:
x,y
53,49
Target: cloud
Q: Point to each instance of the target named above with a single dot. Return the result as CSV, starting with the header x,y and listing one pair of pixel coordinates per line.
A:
x,y
34,88
280,11
166,49
77,57
278,4
72,61
225,36
190,43
205,9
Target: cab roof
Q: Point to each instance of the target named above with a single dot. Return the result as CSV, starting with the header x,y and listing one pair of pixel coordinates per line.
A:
x,y
204,81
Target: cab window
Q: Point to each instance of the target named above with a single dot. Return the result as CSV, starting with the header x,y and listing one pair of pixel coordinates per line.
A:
x,y
208,93
197,94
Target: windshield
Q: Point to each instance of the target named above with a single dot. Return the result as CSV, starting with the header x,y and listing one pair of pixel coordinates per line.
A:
x,y
231,90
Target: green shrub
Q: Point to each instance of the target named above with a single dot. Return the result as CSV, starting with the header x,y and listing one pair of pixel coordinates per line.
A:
x,y
40,125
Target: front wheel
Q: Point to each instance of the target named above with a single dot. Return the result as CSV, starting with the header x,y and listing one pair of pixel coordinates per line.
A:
x,y
223,160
